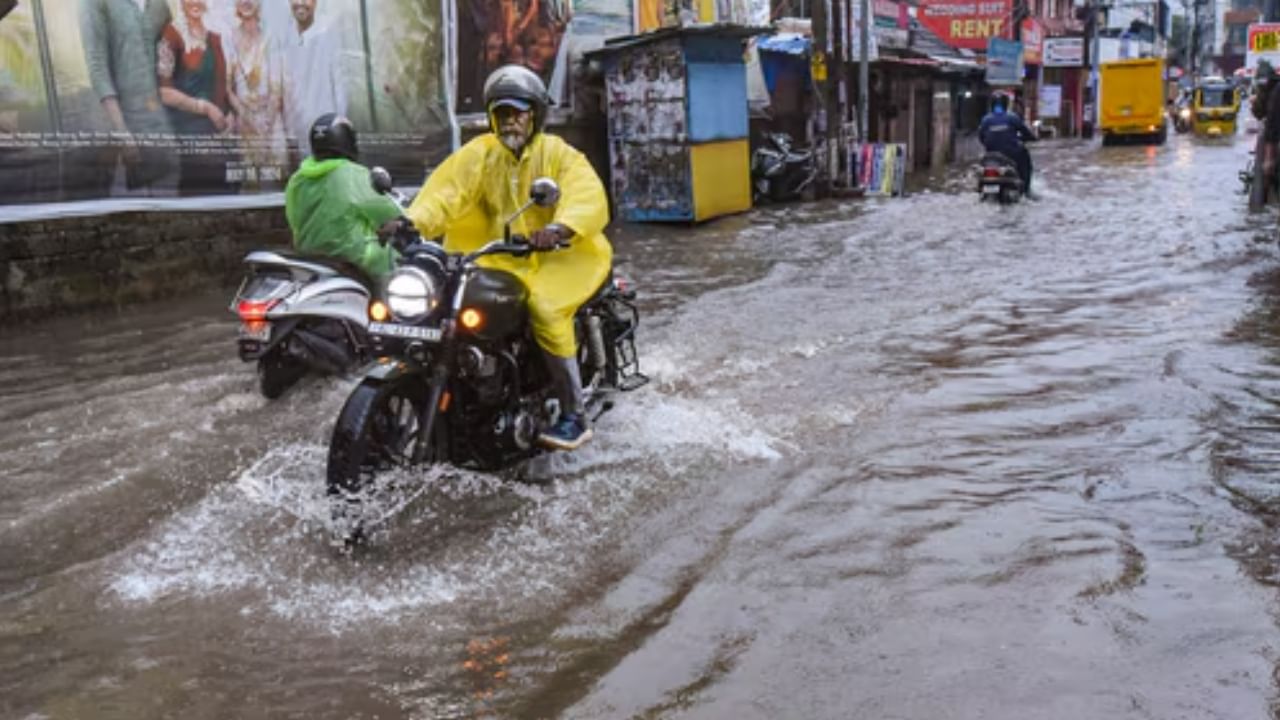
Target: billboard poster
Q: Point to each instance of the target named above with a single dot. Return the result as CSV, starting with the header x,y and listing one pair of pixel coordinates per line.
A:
x,y
493,33
1263,44
26,119
1004,62
163,98
966,23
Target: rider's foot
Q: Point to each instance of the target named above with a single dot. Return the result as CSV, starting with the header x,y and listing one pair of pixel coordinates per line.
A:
x,y
567,434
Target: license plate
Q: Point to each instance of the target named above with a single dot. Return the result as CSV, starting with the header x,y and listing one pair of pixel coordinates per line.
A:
x,y
408,332
260,331
990,189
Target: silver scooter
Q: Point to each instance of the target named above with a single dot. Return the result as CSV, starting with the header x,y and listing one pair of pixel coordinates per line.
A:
x,y
301,315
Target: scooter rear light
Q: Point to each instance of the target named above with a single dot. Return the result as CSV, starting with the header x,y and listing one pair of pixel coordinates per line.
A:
x,y
251,310
991,172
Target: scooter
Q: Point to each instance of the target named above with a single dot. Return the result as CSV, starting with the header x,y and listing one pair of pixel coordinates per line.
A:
x,y
301,315
779,172
998,179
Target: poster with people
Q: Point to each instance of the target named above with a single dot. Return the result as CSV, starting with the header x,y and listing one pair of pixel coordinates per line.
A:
x,y
163,98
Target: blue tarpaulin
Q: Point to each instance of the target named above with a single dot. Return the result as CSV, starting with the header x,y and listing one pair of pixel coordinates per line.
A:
x,y
789,43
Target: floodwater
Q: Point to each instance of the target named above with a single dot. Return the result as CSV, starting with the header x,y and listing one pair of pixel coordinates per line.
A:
x,y
908,458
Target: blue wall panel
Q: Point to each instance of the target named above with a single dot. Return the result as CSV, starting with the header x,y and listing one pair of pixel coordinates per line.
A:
x,y
717,101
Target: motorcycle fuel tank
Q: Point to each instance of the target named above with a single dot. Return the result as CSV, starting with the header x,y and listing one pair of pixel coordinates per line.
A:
x,y
499,297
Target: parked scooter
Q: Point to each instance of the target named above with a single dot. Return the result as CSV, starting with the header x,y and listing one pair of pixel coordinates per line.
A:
x,y
779,172
998,179
299,315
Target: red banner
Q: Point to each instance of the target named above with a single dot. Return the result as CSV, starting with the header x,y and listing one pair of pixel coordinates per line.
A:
x,y
966,23
1032,41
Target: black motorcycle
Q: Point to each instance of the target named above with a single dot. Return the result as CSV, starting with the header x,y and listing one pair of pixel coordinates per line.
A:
x,y
460,379
998,179
779,172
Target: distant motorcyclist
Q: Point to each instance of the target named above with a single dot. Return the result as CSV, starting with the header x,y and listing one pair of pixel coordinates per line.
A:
x,y
1004,132
331,206
470,196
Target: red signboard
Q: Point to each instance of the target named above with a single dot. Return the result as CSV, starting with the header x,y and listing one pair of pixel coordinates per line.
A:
x,y
966,23
1032,41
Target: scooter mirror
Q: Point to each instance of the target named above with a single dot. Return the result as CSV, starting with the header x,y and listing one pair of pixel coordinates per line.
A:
x,y
545,192
380,179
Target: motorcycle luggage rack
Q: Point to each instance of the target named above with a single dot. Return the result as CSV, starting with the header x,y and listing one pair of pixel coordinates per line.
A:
x,y
629,375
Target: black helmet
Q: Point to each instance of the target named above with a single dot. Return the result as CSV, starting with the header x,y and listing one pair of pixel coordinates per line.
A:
x,y
1000,101
519,87
333,136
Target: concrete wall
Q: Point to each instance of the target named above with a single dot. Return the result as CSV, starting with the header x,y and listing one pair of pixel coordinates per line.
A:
x,y
72,264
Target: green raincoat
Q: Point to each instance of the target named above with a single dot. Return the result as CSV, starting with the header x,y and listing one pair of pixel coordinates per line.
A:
x,y
476,189
333,210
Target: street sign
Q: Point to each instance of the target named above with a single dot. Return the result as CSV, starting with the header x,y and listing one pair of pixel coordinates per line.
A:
x,y
1064,52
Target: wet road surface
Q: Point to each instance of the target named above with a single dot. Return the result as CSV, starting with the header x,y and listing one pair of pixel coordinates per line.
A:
x,y
911,458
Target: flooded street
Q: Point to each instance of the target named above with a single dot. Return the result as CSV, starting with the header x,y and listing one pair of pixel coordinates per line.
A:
x,y
908,458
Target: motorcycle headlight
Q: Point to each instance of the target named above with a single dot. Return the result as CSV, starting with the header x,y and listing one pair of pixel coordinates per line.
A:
x,y
1186,114
411,294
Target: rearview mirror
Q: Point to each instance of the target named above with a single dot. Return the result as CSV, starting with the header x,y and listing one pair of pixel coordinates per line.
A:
x,y
380,179
545,192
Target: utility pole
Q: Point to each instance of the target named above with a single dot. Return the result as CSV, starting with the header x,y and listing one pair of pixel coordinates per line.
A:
x,y
1090,87
864,72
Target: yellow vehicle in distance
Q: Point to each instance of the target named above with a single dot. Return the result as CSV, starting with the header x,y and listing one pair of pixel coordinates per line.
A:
x,y
1215,104
1131,106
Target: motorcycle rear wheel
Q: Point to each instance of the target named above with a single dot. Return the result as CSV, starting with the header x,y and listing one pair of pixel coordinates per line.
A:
x,y
277,372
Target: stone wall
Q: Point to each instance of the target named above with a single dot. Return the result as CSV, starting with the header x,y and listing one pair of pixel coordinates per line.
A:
x,y
72,264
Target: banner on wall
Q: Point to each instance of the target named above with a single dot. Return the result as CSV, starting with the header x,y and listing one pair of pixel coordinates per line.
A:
x,y
160,98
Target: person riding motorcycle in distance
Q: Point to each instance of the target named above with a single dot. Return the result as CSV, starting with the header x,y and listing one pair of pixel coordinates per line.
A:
x,y
470,196
332,207
1004,132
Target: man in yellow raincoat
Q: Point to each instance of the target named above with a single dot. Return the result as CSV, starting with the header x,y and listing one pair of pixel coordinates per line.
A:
x,y
473,193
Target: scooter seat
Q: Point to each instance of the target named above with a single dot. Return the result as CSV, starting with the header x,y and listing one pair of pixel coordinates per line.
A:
x,y
342,267
996,158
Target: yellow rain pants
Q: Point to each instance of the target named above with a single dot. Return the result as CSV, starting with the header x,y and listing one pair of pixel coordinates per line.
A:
x,y
473,192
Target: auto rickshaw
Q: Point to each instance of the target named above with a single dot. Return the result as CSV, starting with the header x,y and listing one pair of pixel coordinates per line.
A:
x,y
1215,103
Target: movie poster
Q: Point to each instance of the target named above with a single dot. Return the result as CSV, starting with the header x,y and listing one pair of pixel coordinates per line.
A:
x,y
493,33
25,116
165,98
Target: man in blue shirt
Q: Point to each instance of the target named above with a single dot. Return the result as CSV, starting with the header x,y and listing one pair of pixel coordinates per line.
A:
x,y
1004,132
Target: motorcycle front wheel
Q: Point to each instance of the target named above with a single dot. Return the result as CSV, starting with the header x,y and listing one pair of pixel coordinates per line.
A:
x,y
377,431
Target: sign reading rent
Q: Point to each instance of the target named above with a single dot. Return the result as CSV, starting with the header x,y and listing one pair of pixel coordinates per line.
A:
x,y
966,23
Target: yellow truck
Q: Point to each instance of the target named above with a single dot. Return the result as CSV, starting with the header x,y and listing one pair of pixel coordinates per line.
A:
x,y
1132,101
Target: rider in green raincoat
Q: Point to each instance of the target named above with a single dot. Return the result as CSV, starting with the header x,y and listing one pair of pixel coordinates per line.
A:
x,y
332,207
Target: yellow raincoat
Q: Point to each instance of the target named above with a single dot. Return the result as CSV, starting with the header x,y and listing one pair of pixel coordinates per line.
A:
x,y
469,197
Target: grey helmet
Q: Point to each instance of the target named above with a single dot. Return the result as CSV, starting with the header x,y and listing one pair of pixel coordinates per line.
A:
x,y
519,87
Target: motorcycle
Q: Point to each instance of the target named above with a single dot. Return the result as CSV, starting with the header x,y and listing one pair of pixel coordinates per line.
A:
x,y
301,314
998,178
460,379
780,173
